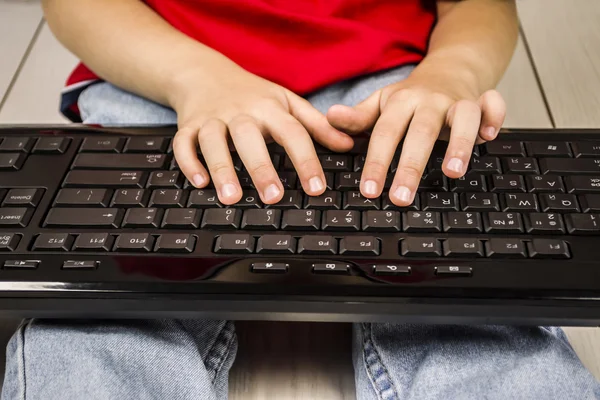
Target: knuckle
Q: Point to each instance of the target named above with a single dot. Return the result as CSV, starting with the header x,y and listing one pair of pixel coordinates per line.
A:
x,y
221,169
411,169
242,124
308,166
423,129
439,100
376,167
461,141
385,133
261,169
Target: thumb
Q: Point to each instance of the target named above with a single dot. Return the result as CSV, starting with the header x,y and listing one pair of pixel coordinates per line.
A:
x,y
357,119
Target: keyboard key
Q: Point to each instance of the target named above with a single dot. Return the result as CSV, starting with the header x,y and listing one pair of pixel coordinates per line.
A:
x,y
359,246
167,198
335,162
586,149
544,223
548,248
359,162
51,145
269,267
462,222
203,198
381,221
583,184
23,197
520,165
262,219
439,201
93,242
434,181
470,182
288,179
583,224
500,222
53,242
181,218
83,197
563,203
453,270
130,198
590,202
505,248
175,243
234,244
391,269
134,242
83,217
317,244
21,264
142,218
250,199
291,199
388,205
120,161
421,221
420,247
548,149
103,144
16,144
462,247
15,216
165,179
504,148
9,241
221,218
328,200
80,264
334,268
11,161
356,201
347,180
485,165
276,244
507,183
519,202
544,183
146,145
105,179
341,220
570,166
301,220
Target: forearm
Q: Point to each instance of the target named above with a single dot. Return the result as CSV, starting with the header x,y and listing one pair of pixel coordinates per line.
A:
x,y
127,44
472,42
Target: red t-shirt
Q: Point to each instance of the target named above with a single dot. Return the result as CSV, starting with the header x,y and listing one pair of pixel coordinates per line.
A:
x,y
302,45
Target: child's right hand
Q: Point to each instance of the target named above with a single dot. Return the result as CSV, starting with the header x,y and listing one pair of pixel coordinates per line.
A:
x,y
249,110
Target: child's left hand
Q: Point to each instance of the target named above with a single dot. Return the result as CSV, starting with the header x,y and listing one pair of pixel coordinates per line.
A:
x,y
419,108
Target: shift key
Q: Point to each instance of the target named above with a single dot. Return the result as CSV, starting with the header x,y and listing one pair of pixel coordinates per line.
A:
x,y
119,161
105,179
84,217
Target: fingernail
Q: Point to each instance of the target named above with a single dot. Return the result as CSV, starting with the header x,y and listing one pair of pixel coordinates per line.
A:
x,y
370,187
198,180
228,190
271,192
403,194
315,184
489,132
456,165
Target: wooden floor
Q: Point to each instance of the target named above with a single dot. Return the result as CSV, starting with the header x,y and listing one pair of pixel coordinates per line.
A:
x,y
553,81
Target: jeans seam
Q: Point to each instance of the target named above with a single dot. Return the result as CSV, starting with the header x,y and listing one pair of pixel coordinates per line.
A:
x,y
376,369
219,350
21,363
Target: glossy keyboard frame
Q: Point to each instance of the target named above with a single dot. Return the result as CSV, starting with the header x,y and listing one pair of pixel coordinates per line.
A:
x,y
206,285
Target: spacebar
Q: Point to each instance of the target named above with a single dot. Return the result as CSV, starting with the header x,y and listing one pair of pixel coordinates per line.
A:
x,y
84,217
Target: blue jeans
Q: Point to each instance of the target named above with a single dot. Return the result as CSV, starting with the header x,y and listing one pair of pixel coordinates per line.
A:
x,y
190,359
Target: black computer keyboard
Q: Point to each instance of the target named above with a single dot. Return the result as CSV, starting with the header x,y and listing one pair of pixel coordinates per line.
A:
x,y
100,222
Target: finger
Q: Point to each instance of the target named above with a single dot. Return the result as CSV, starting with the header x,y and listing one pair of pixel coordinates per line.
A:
x,y
317,125
213,143
387,133
251,147
420,138
294,138
184,149
465,118
493,110
357,119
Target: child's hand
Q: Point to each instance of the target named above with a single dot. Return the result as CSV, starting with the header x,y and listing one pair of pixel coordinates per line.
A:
x,y
249,110
420,106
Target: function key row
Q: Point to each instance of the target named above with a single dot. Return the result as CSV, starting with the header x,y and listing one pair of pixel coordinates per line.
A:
x,y
44,145
137,144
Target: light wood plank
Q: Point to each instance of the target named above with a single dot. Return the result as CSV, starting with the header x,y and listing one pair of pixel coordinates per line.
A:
x,y
35,94
18,24
564,39
524,102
